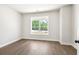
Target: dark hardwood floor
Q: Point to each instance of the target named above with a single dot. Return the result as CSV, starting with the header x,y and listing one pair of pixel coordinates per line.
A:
x,y
34,47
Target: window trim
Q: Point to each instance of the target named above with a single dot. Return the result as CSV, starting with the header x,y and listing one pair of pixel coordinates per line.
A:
x,y
36,32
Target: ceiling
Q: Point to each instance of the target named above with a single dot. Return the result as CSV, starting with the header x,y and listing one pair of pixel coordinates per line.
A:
x,y
29,8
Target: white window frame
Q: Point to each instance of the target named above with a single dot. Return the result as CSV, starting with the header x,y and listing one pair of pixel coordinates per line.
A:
x,y
38,32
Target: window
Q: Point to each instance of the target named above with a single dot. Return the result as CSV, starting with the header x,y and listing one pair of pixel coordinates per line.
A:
x,y
39,25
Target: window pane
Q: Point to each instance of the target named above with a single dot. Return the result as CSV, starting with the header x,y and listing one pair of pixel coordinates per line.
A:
x,y
43,25
35,24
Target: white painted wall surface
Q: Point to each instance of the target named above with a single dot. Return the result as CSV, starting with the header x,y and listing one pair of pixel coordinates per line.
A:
x,y
76,24
66,25
10,23
53,26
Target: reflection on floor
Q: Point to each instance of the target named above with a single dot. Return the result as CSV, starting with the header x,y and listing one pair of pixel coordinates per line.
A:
x,y
34,47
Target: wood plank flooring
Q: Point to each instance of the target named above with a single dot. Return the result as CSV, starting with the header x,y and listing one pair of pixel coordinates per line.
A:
x,y
34,47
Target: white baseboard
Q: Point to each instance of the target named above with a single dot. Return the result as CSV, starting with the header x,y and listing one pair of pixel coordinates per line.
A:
x,y
75,46
40,39
65,43
9,42
62,43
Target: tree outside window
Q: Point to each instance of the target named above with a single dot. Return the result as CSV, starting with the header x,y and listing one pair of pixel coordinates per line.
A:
x,y
39,24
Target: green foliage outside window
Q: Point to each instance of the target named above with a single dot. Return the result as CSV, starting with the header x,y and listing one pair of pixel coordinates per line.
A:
x,y
35,25
41,25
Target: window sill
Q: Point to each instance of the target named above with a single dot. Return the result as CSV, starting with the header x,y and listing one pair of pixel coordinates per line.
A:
x,y
39,33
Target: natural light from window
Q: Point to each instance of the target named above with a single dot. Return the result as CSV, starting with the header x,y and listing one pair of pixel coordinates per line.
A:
x,y
39,25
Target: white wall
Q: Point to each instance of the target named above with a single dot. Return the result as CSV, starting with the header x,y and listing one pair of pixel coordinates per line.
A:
x,y
76,19
53,26
9,25
66,25
76,25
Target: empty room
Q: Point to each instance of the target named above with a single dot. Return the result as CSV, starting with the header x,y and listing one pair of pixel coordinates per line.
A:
x,y
39,29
